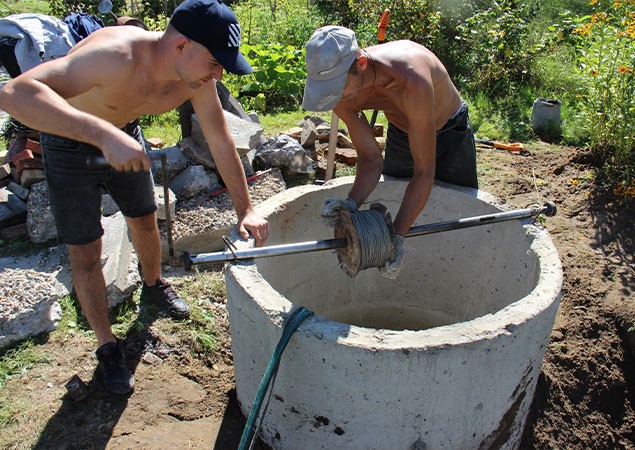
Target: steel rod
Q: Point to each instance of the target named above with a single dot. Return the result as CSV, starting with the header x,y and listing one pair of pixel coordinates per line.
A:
x,y
549,209
262,252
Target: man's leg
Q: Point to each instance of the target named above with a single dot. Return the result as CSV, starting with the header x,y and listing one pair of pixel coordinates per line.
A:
x,y
398,161
456,152
144,234
90,288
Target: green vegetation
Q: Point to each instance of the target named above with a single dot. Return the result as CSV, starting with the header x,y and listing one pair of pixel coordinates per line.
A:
x,y
19,360
502,55
23,6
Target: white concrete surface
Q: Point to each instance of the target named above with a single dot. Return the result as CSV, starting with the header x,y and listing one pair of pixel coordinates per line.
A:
x,y
445,357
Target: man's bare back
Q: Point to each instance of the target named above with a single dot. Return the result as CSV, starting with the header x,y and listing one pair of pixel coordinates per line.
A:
x,y
406,70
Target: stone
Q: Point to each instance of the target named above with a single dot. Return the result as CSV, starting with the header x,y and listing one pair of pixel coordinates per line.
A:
x,y
295,132
193,181
229,102
17,231
155,142
346,155
12,208
30,177
18,190
118,260
5,171
284,152
197,153
176,162
159,199
108,205
31,288
245,133
309,134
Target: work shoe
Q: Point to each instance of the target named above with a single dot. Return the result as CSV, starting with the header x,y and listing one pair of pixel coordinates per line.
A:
x,y
163,295
115,373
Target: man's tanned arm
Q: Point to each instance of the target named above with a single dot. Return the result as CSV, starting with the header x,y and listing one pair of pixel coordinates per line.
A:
x,y
209,111
39,98
418,101
369,159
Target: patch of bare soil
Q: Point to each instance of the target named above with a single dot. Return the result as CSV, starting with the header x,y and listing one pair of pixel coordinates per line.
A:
x,y
585,397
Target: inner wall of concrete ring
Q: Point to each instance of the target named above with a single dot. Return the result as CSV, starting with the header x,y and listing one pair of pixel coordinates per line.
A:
x,y
447,356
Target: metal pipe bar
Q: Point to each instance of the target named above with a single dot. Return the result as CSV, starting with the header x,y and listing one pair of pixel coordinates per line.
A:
x,y
549,209
262,252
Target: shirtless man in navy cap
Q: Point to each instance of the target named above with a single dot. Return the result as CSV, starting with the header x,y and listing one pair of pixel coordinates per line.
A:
x,y
86,103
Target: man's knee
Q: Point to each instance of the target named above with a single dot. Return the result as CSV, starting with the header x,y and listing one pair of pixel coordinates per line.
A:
x,y
85,257
147,222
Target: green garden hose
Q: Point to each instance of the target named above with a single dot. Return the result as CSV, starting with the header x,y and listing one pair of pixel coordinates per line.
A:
x,y
294,319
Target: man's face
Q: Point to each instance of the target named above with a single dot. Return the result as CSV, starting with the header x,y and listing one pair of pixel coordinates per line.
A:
x,y
200,67
353,83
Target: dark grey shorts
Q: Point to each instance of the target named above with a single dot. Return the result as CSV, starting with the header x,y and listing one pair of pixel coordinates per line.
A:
x,y
75,188
456,152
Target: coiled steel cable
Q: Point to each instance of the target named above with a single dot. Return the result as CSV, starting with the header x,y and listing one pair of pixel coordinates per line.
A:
x,y
374,238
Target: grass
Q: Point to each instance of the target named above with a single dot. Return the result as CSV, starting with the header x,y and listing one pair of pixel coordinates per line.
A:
x,y
8,7
164,126
18,360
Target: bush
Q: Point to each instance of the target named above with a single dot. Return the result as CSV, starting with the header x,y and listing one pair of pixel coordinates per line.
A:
x,y
278,79
284,22
605,48
63,8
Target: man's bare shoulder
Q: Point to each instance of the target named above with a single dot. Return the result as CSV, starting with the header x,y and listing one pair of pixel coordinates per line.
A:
x,y
122,42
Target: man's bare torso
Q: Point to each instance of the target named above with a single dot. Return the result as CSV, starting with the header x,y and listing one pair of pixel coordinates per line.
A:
x,y
135,86
405,70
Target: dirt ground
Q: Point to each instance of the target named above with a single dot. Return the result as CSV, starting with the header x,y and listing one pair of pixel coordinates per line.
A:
x,y
585,397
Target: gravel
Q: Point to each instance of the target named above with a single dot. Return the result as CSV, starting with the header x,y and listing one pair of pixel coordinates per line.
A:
x,y
206,212
22,290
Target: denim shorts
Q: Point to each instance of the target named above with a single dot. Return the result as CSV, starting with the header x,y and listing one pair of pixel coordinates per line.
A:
x,y
76,187
455,152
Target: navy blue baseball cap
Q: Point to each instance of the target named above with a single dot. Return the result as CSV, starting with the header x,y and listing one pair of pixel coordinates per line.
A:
x,y
214,25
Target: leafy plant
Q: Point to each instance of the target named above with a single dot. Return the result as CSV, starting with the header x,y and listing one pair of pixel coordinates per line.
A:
x,y
284,22
498,47
62,8
278,78
605,48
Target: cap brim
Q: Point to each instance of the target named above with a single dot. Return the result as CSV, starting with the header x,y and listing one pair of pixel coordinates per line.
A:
x,y
323,95
232,61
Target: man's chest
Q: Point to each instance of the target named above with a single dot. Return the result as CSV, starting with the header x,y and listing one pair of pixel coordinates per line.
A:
x,y
123,102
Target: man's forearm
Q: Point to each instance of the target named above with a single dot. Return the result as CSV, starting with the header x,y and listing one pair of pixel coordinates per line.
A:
x,y
231,169
414,200
366,179
40,108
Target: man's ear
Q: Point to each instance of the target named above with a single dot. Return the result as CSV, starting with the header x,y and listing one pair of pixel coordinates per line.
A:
x,y
362,62
181,43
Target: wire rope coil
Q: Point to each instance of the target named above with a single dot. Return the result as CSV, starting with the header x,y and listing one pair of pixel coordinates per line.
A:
x,y
370,238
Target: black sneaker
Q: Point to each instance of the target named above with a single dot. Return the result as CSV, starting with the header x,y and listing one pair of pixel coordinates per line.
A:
x,y
163,295
116,375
